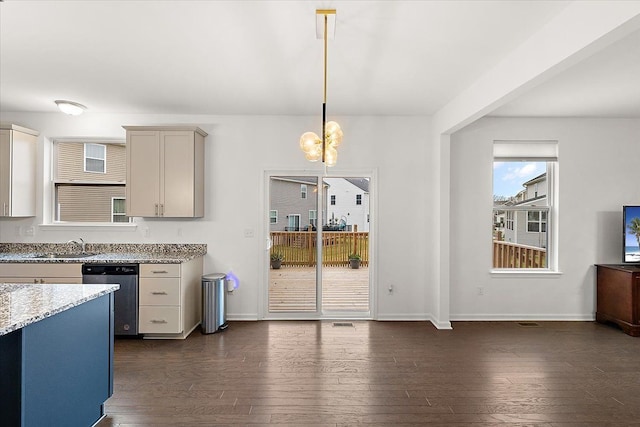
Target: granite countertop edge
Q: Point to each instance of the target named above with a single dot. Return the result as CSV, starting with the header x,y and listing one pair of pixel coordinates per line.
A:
x,y
106,258
102,253
43,312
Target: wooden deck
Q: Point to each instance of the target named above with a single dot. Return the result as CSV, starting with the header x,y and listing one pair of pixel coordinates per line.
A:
x,y
293,289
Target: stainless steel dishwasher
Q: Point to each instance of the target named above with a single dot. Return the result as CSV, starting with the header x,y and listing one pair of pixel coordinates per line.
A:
x,y
125,298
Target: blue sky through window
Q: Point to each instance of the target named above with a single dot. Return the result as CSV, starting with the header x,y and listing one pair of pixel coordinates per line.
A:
x,y
508,177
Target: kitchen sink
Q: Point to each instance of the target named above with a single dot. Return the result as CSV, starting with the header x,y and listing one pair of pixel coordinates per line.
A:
x,y
60,256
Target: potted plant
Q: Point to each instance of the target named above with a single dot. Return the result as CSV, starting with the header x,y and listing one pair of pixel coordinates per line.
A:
x,y
354,260
276,260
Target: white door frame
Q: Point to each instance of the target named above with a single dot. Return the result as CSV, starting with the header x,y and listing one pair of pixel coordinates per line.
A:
x,y
263,296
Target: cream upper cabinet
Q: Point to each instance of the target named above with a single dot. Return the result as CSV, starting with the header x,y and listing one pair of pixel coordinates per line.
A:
x,y
165,171
17,171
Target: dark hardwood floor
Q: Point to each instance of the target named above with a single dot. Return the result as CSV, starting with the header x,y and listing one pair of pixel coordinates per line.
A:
x,y
381,373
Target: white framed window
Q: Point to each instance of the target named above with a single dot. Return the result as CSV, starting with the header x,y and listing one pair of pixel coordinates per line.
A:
x,y
358,199
95,158
536,221
525,194
81,196
273,217
333,199
118,213
303,191
313,217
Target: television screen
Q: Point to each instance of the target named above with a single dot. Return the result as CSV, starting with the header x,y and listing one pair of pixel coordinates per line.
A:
x,y
631,239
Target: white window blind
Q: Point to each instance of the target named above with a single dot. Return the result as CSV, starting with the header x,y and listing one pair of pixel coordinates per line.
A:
x,y
525,150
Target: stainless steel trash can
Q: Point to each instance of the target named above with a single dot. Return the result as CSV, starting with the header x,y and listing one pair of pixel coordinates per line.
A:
x,y
214,306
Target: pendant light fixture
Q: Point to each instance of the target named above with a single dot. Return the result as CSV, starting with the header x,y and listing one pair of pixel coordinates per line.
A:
x,y
325,148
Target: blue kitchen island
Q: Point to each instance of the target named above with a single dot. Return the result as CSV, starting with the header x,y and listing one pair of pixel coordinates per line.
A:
x,y
56,353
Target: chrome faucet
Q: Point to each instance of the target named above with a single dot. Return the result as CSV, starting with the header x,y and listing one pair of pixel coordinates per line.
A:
x,y
79,242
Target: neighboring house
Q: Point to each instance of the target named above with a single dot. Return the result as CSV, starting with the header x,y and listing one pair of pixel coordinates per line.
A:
x,y
348,201
293,203
499,220
89,180
528,227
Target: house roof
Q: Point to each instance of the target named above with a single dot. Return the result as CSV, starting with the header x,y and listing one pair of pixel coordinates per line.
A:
x,y
530,201
538,178
309,180
361,183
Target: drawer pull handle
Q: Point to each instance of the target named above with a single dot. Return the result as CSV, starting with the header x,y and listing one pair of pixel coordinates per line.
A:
x,y
158,321
159,271
158,293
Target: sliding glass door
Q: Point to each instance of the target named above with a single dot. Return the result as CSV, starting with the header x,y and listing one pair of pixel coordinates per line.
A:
x,y
319,258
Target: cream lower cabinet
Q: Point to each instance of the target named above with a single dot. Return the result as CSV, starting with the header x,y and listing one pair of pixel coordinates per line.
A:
x,y
165,171
41,273
169,299
17,171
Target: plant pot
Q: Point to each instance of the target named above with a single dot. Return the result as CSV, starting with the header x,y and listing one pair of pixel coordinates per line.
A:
x,y
354,263
275,264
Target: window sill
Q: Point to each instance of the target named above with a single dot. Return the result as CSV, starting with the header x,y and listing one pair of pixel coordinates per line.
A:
x,y
525,273
97,226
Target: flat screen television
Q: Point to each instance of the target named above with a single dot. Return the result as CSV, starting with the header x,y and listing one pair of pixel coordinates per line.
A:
x,y
631,234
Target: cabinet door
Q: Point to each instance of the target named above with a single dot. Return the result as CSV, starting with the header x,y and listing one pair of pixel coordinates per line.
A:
x,y
5,171
17,173
177,174
143,173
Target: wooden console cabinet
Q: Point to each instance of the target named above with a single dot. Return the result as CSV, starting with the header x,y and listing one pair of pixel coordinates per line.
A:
x,y
618,296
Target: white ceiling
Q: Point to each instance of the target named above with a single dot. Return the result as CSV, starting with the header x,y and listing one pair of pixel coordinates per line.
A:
x,y
262,57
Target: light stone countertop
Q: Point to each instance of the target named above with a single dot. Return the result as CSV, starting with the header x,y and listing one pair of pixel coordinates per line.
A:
x,y
104,253
24,304
103,258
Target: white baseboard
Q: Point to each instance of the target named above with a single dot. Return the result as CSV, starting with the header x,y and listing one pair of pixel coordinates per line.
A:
x,y
402,317
516,317
242,317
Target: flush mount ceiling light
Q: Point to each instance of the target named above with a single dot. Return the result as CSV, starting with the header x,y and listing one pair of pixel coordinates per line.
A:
x,y
314,147
70,107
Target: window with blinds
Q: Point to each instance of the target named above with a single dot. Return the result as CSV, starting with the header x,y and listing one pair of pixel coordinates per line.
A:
x,y
524,211
89,178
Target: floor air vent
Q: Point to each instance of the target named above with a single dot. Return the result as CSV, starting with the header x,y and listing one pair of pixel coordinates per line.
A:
x,y
342,324
528,324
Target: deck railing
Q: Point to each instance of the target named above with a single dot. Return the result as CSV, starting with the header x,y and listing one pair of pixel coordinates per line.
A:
x,y
513,255
299,247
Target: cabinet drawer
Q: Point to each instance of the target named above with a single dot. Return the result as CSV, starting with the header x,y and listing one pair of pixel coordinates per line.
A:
x,y
31,270
161,291
159,270
159,319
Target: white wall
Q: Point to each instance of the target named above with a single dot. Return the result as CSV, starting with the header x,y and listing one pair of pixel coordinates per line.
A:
x,y
239,149
598,173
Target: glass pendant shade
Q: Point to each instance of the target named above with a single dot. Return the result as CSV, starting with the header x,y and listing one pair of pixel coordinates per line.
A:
x,y
308,141
330,156
333,133
311,144
313,155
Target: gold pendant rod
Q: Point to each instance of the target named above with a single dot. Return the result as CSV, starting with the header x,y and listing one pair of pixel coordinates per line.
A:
x,y
324,85
324,95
